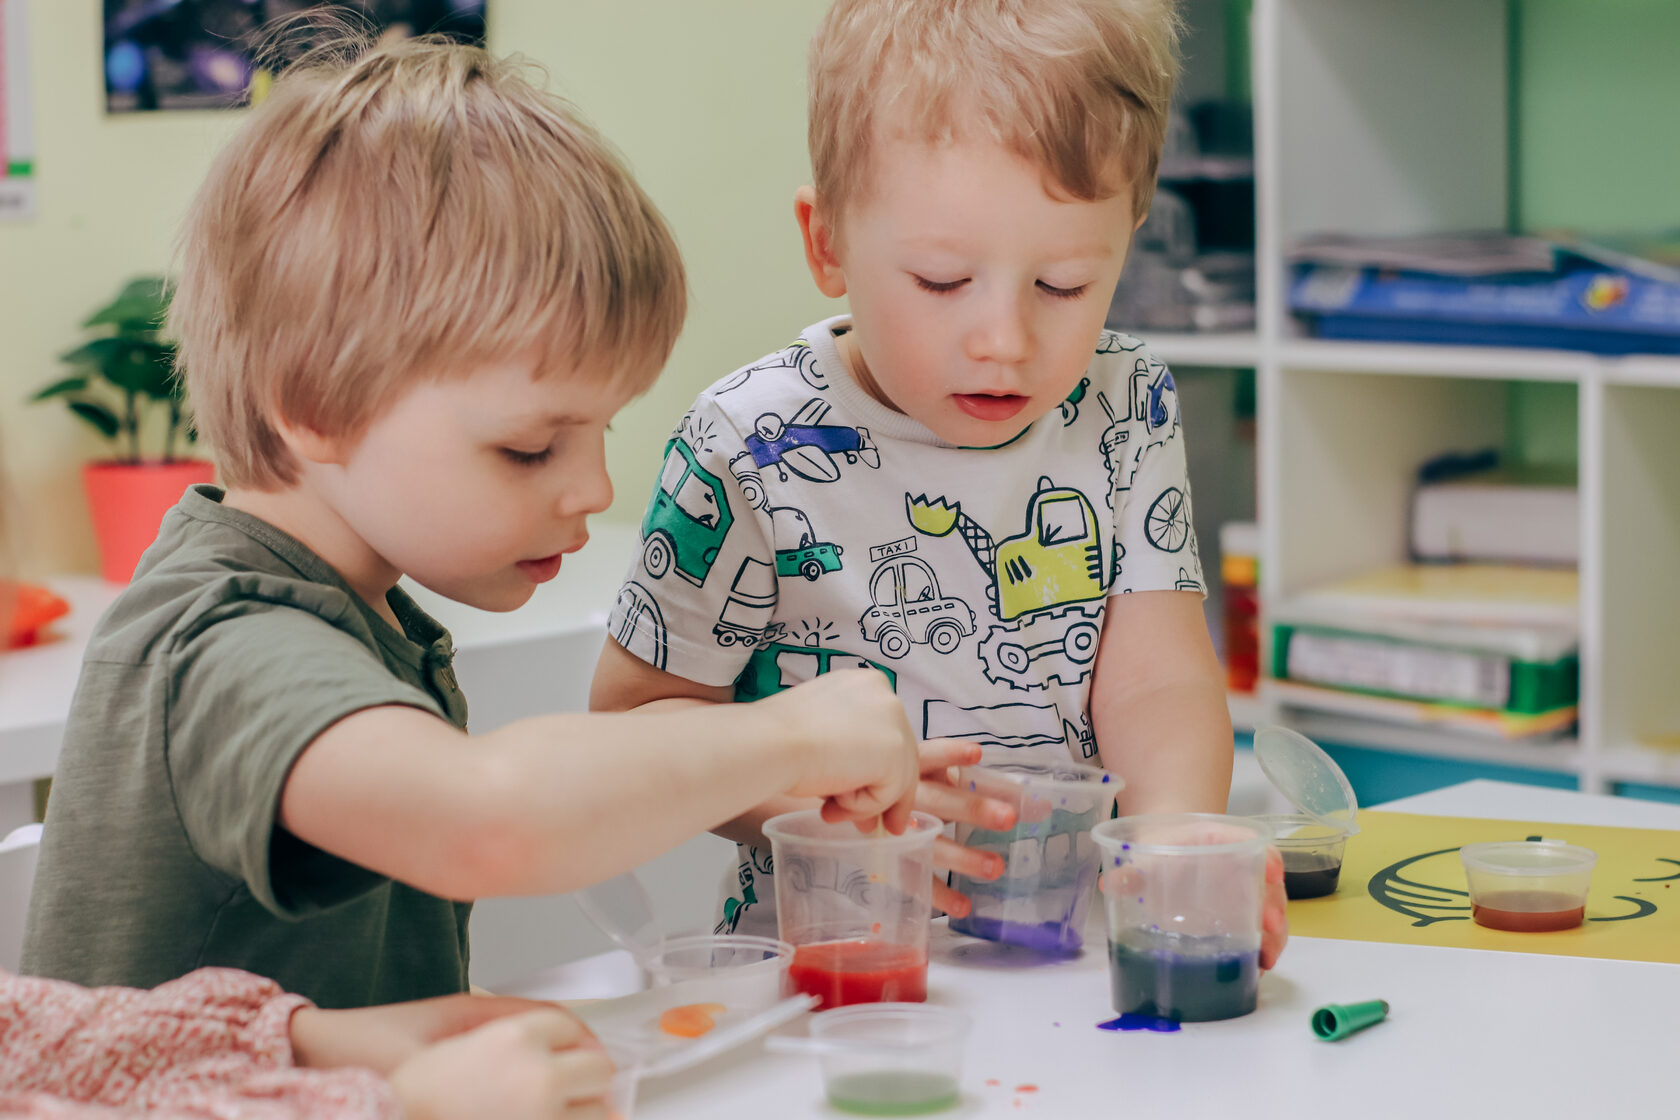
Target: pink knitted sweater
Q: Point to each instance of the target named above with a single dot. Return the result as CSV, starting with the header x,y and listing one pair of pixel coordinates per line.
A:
x,y
214,1044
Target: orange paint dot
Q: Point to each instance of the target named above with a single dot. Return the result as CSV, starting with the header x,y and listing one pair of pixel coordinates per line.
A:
x,y
876,928
691,1020
1027,1088
991,1081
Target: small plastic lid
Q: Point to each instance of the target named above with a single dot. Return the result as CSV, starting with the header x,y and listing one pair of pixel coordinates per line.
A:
x,y
1308,777
1528,857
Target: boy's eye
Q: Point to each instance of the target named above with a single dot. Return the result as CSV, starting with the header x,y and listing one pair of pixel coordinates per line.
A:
x,y
927,285
527,458
1062,293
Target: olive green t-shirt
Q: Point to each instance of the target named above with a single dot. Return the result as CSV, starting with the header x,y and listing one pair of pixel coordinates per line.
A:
x,y
233,648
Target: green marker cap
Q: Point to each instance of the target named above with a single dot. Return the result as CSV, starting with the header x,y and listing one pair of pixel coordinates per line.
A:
x,y
1335,1021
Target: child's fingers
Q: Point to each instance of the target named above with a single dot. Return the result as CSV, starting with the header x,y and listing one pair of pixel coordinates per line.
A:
x,y
897,817
949,855
554,1029
1274,922
591,1110
580,1075
951,804
950,901
1274,866
942,754
465,1012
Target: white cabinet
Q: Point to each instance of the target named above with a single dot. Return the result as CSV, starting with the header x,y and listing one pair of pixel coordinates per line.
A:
x,y
1390,118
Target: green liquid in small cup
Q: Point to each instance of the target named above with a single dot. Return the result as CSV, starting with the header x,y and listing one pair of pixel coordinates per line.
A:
x,y
893,1093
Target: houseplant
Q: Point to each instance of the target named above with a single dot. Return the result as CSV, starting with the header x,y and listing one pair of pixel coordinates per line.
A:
x,y
122,384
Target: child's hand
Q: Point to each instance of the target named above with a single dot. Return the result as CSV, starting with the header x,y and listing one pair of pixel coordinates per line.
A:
x,y
937,794
539,1064
858,751
383,1038
1274,920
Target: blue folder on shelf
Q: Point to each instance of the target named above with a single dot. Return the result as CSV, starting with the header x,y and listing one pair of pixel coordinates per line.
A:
x,y
1349,291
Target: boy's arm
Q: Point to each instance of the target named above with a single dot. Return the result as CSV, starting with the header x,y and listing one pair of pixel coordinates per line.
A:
x,y
624,682
554,803
1158,705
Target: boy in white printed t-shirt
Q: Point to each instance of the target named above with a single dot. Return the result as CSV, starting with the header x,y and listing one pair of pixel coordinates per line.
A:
x,y
966,482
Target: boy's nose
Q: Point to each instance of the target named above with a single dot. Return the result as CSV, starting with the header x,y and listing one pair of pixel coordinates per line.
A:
x,y
588,491
1000,334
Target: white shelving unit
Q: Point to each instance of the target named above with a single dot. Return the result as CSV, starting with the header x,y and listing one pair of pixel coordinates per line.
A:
x,y
1384,118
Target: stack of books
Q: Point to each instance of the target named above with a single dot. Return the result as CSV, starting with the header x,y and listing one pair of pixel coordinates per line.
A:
x,y
1487,649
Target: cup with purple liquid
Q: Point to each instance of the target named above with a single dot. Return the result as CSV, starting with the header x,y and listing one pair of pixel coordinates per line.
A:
x,y
1183,894
1044,895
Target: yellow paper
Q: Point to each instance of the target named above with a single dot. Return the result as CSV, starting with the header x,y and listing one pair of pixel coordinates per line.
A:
x,y
1402,882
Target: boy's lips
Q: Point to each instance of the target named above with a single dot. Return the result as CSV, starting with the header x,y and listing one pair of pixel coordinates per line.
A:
x,y
541,571
990,406
546,568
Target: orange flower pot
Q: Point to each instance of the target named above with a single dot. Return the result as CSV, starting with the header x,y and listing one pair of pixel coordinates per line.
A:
x,y
128,501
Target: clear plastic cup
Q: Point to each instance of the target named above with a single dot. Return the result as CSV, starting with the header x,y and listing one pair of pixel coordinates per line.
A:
x,y
855,906
736,970
1528,886
1183,893
891,1059
1311,851
1050,869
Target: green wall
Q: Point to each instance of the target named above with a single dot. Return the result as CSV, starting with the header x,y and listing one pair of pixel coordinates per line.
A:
x,y
706,100
1597,114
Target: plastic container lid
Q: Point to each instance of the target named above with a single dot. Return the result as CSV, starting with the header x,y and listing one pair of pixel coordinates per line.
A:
x,y
1308,777
1530,858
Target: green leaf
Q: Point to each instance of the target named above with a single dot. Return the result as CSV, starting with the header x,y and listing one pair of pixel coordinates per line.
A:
x,y
139,308
133,365
99,416
59,388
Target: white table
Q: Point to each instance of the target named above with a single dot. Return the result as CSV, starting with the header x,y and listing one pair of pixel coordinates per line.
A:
x,y
35,689
1470,1034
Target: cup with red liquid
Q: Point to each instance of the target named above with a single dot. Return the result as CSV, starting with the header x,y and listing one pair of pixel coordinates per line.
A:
x,y
855,906
1528,886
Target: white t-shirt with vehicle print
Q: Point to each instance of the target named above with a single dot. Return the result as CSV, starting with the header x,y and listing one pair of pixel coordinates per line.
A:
x,y
799,526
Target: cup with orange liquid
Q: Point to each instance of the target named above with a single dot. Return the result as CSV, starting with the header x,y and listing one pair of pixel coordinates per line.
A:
x,y
1528,886
855,906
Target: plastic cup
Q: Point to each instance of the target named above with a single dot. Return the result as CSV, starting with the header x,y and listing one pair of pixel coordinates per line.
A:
x,y
736,970
1312,853
855,906
1528,886
1050,862
1183,893
891,1059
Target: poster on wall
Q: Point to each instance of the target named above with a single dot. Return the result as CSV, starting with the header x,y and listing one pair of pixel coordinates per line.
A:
x,y
17,136
199,54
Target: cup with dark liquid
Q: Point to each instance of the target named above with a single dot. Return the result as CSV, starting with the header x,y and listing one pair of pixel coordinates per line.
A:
x,y
1528,886
1311,851
855,906
1183,895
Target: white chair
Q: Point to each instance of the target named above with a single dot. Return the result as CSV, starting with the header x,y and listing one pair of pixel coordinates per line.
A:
x,y
17,873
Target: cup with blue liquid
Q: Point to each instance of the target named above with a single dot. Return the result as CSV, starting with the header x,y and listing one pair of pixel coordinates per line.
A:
x,y
1183,895
1044,895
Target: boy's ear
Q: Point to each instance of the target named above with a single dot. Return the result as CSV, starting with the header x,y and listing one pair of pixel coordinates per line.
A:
x,y
818,233
311,446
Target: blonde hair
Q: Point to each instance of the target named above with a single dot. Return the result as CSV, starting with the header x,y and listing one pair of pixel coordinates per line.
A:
x,y
1079,87
400,214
